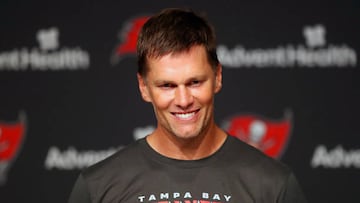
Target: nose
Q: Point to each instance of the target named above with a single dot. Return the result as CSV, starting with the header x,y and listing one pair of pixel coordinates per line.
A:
x,y
183,97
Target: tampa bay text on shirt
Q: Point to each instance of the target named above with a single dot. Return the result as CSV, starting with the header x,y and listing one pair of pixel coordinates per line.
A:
x,y
187,197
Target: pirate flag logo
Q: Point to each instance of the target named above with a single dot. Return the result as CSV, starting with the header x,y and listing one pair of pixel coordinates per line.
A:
x,y
128,37
11,138
269,136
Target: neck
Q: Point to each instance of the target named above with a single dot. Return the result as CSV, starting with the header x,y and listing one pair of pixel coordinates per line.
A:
x,y
187,149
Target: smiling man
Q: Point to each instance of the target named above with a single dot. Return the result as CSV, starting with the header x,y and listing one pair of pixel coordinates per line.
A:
x,y
187,158
181,88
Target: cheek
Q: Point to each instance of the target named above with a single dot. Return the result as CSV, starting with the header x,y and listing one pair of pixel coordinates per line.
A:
x,y
203,96
161,100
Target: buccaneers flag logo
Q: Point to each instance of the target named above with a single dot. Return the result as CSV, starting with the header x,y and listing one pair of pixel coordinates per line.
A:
x,y
269,136
128,37
11,137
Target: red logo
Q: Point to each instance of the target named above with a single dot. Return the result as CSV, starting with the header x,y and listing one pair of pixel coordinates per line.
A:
x,y
11,138
128,36
269,136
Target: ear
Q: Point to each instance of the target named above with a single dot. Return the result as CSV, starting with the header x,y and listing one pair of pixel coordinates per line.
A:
x,y
143,88
218,79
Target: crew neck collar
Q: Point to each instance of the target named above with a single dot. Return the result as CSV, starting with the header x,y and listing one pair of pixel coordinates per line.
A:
x,y
206,161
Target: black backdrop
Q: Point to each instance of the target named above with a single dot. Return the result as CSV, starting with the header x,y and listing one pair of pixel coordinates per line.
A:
x,y
76,96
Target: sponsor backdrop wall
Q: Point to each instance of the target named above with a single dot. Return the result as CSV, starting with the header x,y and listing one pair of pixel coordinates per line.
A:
x,y
69,97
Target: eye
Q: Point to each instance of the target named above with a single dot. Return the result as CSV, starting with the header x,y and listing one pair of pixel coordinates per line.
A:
x,y
195,83
167,86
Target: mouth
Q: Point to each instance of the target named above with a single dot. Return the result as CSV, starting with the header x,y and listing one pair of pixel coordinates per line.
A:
x,y
185,115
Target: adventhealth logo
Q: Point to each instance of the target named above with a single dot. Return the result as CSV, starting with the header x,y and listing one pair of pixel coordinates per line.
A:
x,y
48,56
315,53
337,157
72,158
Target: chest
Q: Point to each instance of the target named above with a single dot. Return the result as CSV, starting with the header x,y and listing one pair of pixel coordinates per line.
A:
x,y
190,185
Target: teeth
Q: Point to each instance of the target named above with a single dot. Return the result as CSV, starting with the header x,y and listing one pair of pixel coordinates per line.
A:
x,y
185,115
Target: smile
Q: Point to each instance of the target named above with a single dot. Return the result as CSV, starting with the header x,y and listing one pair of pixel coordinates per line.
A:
x,y
185,116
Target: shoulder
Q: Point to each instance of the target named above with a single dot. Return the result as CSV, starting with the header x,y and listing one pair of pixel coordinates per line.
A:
x,y
261,173
111,174
119,161
253,161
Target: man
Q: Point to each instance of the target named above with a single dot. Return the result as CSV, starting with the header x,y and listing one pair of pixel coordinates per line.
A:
x,y
188,158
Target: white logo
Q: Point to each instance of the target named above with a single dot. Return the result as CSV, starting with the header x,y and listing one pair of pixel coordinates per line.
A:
x,y
71,158
257,131
316,53
314,36
335,158
49,56
48,39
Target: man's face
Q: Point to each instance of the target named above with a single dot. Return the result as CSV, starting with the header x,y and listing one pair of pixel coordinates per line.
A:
x,y
181,88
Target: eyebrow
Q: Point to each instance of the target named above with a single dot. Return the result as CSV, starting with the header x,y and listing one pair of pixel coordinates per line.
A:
x,y
199,77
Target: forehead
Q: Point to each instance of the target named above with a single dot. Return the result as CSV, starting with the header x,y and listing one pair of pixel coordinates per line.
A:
x,y
193,60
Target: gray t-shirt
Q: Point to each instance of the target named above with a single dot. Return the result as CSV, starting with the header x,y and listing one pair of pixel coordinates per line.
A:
x,y
236,173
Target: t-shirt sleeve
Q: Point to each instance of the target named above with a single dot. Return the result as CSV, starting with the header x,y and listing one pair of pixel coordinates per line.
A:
x,y
80,193
292,192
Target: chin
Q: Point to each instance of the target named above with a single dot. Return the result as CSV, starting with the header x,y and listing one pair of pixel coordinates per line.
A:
x,y
187,136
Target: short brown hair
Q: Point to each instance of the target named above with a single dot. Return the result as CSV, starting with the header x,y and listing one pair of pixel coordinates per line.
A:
x,y
174,30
